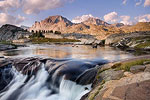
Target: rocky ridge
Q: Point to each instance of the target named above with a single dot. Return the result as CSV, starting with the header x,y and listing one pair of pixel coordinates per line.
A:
x,y
11,32
92,26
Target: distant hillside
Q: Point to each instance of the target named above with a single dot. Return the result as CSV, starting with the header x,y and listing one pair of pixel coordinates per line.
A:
x,y
92,26
11,32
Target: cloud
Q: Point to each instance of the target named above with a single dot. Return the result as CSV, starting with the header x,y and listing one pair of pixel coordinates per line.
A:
x,y
82,18
125,20
35,6
138,3
111,17
147,3
143,18
8,19
124,2
8,4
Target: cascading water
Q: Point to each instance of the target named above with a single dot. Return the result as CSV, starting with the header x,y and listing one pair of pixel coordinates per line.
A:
x,y
40,86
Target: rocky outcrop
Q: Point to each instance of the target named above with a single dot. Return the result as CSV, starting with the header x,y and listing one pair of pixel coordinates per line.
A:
x,y
135,87
7,47
113,83
136,40
11,32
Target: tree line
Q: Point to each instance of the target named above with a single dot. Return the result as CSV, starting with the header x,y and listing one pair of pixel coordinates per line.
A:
x,y
46,31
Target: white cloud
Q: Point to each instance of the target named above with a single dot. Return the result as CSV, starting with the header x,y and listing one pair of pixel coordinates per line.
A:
x,y
111,17
8,4
8,19
125,20
147,3
138,3
82,18
124,2
143,18
35,6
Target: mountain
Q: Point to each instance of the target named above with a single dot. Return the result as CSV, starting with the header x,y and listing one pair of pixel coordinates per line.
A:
x,y
10,32
95,21
91,26
56,23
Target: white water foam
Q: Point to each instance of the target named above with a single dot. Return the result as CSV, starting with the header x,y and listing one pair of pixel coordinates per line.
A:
x,y
35,88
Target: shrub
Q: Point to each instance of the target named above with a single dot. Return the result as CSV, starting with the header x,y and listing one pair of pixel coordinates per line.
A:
x,y
57,32
37,35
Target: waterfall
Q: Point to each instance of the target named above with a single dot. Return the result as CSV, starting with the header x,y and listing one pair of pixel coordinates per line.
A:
x,y
38,88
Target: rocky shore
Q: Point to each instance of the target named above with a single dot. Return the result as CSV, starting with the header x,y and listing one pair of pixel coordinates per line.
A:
x,y
4,47
124,80
136,42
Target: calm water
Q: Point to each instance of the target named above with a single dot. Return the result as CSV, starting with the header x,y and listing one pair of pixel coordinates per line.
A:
x,y
68,51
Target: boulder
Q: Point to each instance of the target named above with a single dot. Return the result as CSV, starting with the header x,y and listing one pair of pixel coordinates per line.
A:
x,y
137,68
111,75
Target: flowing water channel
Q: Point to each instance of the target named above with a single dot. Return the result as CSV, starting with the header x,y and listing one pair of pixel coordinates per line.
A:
x,y
65,76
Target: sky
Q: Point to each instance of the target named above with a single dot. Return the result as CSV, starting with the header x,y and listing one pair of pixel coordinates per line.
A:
x,y
26,12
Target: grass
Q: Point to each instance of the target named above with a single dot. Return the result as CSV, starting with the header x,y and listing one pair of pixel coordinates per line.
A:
x,y
143,45
93,95
5,42
47,40
127,65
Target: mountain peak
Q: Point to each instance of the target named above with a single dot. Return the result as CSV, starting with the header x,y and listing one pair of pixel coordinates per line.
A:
x,y
95,21
57,19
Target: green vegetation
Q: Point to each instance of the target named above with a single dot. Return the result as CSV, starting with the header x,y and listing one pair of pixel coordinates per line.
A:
x,y
5,42
143,45
37,35
93,95
57,32
47,40
127,65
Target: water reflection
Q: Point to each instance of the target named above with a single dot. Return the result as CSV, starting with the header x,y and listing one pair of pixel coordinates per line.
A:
x,y
67,51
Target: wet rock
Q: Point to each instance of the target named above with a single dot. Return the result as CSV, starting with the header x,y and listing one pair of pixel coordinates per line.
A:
x,y
87,77
137,68
5,73
111,75
28,66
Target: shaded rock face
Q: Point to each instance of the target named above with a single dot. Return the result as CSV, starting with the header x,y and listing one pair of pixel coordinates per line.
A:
x,y
11,32
5,73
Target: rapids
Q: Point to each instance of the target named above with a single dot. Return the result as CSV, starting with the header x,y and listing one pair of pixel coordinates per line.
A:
x,y
54,80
